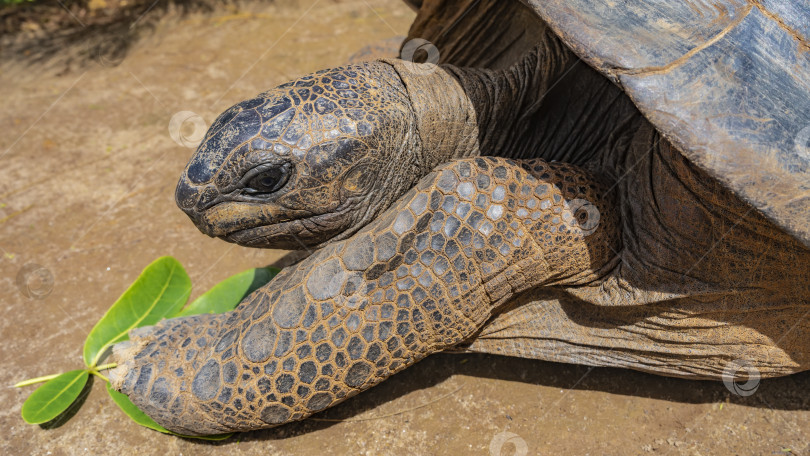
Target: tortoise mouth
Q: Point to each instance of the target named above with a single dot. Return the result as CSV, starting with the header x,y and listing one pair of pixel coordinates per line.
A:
x,y
274,236
296,234
226,218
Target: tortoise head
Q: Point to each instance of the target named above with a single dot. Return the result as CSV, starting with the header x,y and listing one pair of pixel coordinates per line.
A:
x,y
312,160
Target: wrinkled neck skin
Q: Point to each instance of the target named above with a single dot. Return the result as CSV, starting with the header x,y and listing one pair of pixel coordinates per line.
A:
x,y
547,105
497,101
464,112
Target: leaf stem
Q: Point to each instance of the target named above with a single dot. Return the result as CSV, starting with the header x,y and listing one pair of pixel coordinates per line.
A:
x,y
95,371
33,381
97,374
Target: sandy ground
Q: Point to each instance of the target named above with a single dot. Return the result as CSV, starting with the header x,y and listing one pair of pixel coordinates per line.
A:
x,y
87,175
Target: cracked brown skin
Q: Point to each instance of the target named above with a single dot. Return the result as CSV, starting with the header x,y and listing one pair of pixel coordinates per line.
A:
x,y
635,258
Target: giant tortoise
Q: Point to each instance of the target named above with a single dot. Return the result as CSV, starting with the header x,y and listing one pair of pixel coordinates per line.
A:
x,y
583,181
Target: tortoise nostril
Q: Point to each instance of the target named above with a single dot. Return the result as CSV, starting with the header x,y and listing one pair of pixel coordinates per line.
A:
x,y
186,194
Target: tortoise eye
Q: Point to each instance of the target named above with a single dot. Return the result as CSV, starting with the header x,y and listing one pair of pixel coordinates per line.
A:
x,y
269,181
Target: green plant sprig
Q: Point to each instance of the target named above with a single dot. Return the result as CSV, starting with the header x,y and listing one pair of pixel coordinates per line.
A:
x,y
160,291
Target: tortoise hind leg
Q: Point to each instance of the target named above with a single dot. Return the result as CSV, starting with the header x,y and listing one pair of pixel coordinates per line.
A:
x,y
423,277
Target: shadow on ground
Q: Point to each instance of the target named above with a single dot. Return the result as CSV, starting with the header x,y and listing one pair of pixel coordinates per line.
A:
x,y
784,393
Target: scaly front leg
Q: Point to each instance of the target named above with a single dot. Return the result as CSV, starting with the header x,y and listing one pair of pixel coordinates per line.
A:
x,y
421,278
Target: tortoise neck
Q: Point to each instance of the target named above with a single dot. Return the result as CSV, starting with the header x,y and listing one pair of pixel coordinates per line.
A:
x,y
499,97
464,112
507,100
445,117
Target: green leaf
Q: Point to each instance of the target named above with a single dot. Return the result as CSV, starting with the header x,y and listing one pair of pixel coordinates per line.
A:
x,y
54,397
134,412
160,291
226,295
143,419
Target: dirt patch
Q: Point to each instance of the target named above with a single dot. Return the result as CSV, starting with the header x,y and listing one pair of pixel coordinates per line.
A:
x,y
86,190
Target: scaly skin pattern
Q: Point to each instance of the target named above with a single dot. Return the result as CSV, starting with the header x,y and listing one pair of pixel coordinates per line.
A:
x,y
329,137
316,159
423,277
424,247
702,278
